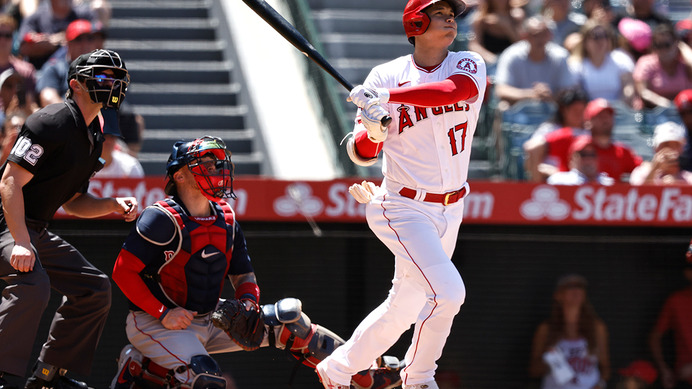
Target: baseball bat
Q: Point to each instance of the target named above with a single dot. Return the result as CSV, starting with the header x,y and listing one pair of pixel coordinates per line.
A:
x,y
291,34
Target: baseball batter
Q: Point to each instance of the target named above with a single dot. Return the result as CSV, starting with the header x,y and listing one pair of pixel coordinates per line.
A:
x,y
434,98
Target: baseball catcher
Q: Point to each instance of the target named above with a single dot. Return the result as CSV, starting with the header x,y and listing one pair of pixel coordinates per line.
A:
x,y
172,268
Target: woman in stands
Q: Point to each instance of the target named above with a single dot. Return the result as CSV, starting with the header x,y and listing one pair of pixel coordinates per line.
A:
x,y
574,335
661,75
602,71
496,25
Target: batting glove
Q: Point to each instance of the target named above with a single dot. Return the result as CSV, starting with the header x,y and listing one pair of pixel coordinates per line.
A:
x,y
364,97
371,118
362,192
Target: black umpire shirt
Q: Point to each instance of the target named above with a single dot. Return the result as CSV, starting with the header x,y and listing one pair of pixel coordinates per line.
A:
x,y
62,153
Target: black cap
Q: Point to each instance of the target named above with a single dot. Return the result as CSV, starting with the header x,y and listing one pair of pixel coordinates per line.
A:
x,y
82,60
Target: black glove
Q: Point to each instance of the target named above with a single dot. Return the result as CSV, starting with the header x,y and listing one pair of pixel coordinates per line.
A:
x,y
244,327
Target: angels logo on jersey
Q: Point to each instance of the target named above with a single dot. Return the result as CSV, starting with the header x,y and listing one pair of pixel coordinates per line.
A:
x,y
467,65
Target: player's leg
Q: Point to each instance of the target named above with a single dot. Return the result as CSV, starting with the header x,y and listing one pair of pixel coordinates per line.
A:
x,y
445,293
182,352
79,321
392,222
23,301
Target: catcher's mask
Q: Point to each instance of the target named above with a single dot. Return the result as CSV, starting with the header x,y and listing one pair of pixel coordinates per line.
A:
x,y
210,163
105,75
416,21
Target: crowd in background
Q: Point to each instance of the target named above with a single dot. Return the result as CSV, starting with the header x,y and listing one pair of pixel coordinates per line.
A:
x,y
633,57
632,61
38,40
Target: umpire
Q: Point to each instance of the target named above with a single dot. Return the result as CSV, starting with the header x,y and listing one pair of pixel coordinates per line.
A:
x,y
56,153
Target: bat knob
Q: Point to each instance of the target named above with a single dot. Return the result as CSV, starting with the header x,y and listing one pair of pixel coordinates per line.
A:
x,y
386,120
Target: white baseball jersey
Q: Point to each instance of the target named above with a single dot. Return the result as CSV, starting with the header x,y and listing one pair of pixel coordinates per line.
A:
x,y
429,148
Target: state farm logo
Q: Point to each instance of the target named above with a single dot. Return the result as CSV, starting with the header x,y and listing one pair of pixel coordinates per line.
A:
x,y
298,199
545,203
596,203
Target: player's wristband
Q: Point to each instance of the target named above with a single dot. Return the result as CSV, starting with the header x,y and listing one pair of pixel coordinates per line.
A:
x,y
248,290
164,314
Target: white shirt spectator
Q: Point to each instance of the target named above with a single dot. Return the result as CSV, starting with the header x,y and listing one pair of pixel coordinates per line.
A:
x,y
604,81
575,177
123,165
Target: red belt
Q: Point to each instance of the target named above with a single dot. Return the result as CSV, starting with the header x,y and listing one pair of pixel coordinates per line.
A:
x,y
442,198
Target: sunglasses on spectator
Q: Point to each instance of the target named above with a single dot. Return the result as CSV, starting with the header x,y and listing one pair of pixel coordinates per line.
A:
x,y
663,45
588,154
7,35
598,35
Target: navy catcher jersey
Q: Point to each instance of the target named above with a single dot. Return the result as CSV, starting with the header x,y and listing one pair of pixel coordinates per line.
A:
x,y
185,259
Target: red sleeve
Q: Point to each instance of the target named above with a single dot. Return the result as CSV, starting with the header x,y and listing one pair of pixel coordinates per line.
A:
x,y
558,143
664,322
126,275
365,147
457,87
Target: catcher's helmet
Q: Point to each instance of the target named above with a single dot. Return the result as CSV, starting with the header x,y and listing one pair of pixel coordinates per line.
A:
x,y
416,21
214,177
103,88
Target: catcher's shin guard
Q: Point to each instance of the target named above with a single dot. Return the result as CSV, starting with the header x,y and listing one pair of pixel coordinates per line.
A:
x,y
307,342
129,367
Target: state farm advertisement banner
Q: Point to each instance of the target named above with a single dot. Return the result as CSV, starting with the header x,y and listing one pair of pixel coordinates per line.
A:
x,y
488,202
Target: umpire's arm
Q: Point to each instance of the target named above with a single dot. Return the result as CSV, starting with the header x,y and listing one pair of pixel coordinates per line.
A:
x,y
85,205
13,180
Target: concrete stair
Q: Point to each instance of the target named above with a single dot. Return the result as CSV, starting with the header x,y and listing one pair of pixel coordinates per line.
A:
x,y
181,83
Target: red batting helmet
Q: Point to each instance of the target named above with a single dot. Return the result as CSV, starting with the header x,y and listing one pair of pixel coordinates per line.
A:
x,y
416,22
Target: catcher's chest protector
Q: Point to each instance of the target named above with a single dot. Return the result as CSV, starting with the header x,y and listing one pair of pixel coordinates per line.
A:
x,y
192,276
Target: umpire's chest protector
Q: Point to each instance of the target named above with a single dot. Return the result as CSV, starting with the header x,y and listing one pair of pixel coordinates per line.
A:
x,y
192,276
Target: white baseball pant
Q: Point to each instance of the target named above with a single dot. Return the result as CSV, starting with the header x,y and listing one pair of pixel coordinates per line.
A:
x,y
426,290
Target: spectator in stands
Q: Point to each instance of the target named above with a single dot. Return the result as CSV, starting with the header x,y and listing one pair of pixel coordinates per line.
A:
x,y
634,38
7,60
614,158
10,128
565,20
644,10
598,10
533,68
82,37
574,333
684,30
602,71
638,375
664,168
676,317
12,96
571,103
683,101
496,25
661,75
118,163
43,32
583,165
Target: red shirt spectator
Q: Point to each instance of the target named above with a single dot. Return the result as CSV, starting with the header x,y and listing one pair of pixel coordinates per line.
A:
x,y
614,158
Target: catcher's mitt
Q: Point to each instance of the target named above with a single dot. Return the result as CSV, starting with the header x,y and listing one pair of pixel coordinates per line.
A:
x,y
244,327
